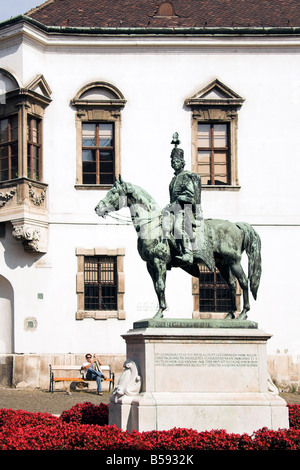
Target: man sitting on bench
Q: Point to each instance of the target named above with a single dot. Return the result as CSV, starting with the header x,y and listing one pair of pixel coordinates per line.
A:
x,y
92,371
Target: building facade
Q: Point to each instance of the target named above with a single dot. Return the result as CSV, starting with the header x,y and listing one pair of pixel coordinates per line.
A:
x,y
88,96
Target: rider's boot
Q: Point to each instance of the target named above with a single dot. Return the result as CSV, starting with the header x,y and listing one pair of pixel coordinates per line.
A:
x,y
187,255
185,259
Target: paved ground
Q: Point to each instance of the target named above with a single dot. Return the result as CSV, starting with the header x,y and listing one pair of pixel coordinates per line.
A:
x,y
46,402
59,401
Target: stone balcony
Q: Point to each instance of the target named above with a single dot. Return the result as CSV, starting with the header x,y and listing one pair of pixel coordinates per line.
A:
x,y
23,202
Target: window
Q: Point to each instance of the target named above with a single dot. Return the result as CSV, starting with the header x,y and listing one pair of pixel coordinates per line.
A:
x,y
211,295
21,116
214,294
33,148
9,148
100,284
165,9
214,135
98,153
213,153
98,127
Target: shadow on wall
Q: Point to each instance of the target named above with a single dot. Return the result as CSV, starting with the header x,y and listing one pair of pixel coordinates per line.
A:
x,y
14,253
6,316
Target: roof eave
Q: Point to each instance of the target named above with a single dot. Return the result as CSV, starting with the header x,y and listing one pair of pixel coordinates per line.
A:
x,y
156,31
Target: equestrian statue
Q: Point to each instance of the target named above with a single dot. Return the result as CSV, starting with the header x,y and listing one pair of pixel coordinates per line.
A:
x,y
178,236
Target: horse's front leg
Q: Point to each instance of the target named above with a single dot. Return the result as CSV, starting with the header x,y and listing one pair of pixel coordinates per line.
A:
x,y
158,271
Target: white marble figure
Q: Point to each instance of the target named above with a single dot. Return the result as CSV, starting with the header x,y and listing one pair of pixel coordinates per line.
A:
x,y
129,383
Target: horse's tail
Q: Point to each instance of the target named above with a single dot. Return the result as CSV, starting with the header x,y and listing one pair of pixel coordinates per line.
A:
x,y
252,246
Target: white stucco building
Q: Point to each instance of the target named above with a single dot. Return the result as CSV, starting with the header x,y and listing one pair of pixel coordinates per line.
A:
x,y
134,75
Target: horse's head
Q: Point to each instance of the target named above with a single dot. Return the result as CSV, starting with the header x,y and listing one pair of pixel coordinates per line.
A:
x,y
114,200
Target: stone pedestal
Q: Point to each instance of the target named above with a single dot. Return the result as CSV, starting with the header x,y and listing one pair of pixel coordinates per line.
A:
x,y
200,374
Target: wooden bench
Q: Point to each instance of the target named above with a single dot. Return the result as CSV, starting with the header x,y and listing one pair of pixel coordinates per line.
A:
x,y
106,370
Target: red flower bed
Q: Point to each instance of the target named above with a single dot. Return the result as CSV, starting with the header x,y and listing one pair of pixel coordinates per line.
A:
x,y
86,413
84,427
294,416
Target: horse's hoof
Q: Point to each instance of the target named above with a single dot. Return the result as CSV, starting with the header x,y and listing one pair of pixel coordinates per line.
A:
x,y
158,315
243,316
229,316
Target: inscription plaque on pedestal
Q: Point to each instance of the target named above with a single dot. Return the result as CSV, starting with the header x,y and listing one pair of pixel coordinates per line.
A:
x,y
206,360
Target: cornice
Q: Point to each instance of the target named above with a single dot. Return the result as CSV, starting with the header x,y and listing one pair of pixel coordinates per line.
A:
x,y
23,27
228,30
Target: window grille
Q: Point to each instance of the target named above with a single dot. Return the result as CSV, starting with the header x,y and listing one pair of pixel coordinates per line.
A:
x,y
214,294
100,283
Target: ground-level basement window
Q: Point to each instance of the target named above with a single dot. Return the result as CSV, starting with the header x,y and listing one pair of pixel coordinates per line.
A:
x,y
212,295
100,283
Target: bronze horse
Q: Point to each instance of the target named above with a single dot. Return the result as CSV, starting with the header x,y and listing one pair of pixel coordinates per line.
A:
x,y
227,241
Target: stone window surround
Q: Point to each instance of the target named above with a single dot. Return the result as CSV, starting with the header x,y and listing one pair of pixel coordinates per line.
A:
x,y
106,110
214,110
119,253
